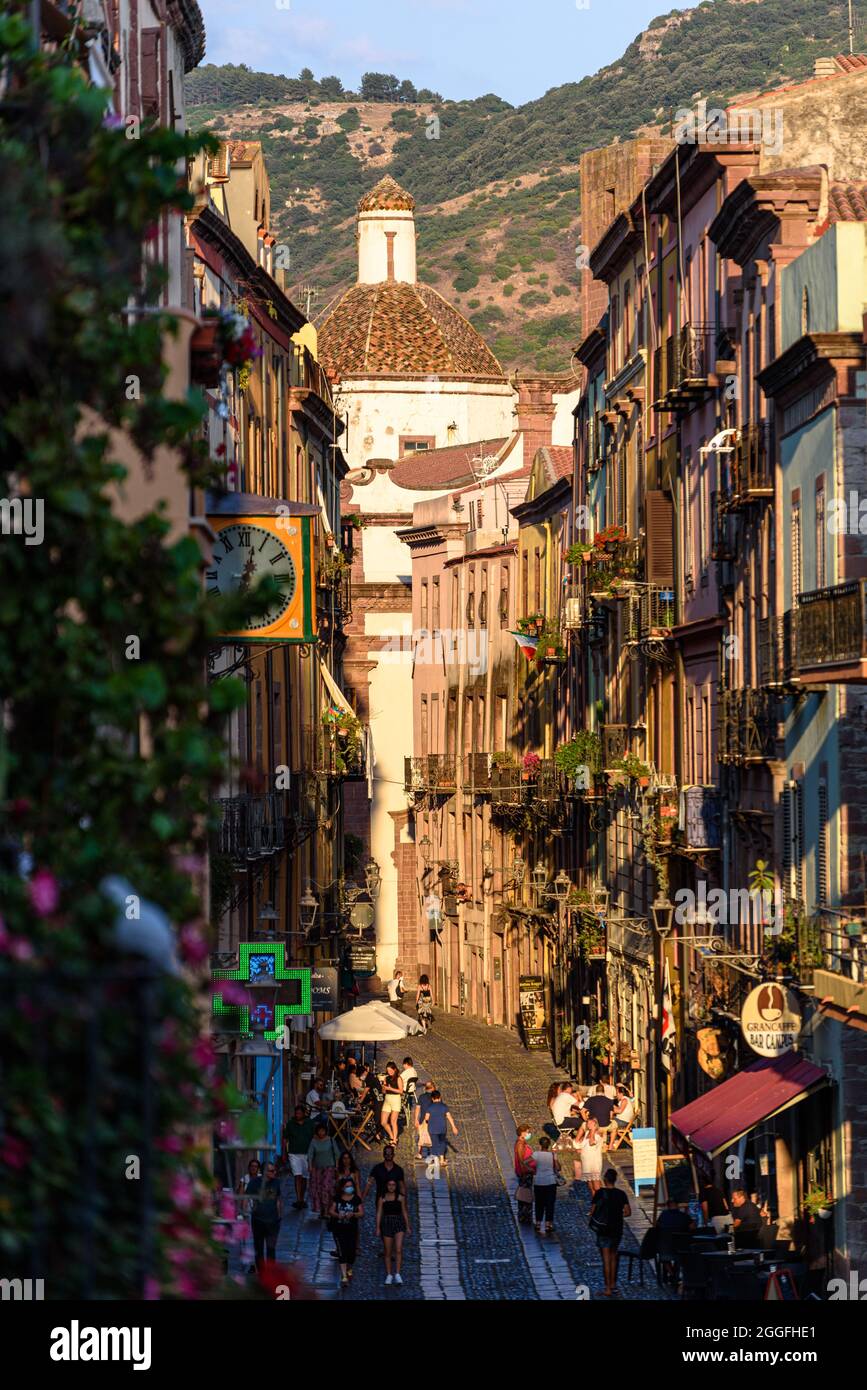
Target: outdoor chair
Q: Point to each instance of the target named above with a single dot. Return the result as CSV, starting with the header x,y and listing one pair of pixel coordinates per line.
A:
x,y
646,1253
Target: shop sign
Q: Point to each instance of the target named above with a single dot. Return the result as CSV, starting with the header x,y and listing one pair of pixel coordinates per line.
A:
x,y
771,1020
531,998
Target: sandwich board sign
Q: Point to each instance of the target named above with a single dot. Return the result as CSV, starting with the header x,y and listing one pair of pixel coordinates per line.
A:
x,y
643,1158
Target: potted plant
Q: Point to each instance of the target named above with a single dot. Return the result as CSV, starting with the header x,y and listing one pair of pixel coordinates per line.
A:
x,y
530,766
817,1202
582,751
580,551
634,769
532,625
502,760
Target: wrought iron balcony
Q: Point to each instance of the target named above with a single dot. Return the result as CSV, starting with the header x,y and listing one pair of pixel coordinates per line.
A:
x,y
778,650
550,783
832,633
683,367
746,726
507,786
477,773
747,474
252,827
650,614
433,773
615,743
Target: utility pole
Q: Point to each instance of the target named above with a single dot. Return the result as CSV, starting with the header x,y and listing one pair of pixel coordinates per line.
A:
x,y
311,294
851,30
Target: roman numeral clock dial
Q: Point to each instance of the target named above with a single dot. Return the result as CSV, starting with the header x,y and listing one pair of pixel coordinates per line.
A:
x,y
243,554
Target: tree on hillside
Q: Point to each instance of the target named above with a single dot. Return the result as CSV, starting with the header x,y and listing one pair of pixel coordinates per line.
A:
x,y
425,94
379,86
331,87
407,91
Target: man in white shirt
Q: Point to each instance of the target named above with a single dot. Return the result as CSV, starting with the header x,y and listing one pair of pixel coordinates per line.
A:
x,y
562,1103
314,1099
395,988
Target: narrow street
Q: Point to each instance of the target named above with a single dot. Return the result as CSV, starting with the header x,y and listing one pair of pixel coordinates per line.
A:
x,y
466,1241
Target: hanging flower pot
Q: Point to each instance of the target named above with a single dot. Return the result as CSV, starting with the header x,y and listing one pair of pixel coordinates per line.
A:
x,y
206,354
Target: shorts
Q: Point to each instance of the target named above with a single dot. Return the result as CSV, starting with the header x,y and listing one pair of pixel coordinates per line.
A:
x,y
391,1104
298,1165
608,1242
392,1225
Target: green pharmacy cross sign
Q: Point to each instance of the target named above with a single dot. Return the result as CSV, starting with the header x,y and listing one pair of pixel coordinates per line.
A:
x,y
261,962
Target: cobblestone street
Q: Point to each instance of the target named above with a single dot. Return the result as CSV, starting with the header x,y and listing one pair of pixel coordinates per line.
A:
x,y
466,1242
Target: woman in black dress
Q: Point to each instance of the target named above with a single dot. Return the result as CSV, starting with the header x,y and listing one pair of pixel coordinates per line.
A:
x,y
346,1211
392,1223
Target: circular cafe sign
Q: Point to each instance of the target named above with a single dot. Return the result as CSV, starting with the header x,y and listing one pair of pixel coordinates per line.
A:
x,y
771,1020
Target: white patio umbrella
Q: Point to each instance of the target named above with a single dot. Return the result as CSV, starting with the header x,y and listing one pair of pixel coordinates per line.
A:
x,y
409,1025
367,1023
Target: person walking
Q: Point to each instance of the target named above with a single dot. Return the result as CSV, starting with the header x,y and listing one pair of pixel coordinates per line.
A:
x,y
266,1214
345,1212
392,1096
422,1133
590,1145
297,1137
322,1159
396,988
438,1116
545,1172
607,1210
424,1003
524,1170
392,1224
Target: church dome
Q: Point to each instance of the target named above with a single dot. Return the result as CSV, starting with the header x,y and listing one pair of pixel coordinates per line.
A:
x,y
396,329
386,196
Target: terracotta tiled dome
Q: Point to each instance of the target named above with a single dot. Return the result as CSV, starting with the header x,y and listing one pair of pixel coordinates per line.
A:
x,y
402,330
386,195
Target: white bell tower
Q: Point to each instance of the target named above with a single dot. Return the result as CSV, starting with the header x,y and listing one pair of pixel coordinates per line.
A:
x,y
385,232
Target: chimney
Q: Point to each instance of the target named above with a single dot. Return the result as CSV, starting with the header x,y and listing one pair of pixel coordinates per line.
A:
x,y
535,410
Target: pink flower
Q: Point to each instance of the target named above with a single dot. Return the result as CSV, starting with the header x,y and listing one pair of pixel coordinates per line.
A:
x,y
169,1043
232,992
239,1231
19,948
227,1208
193,946
44,893
203,1053
170,1145
151,1289
190,863
182,1191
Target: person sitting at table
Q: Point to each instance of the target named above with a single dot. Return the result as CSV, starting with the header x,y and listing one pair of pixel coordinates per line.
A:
x,y
599,1107
315,1098
746,1219
671,1221
624,1109
714,1207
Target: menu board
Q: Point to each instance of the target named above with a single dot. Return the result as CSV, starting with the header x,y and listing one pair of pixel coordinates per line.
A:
x,y
677,1178
531,998
644,1156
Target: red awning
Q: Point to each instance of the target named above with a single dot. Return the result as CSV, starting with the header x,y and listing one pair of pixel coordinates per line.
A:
x,y
730,1110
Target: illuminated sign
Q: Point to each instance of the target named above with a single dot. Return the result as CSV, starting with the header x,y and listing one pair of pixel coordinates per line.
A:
x,y
263,961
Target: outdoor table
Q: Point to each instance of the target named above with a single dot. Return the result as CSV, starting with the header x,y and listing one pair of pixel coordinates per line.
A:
x,y
341,1126
356,1129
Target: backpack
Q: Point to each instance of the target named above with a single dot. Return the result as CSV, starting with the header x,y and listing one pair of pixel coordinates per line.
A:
x,y
599,1216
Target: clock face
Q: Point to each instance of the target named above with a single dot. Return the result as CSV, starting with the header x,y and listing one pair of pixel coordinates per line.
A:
x,y
243,554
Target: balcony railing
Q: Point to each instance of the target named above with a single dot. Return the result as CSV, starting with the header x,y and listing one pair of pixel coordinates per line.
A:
x,y
251,827
683,365
832,626
650,614
550,782
746,726
477,772
748,472
778,650
433,773
507,786
615,743
830,947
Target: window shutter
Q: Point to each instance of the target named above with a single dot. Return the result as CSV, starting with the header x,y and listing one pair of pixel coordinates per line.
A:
x,y
822,847
786,800
659,538
150,72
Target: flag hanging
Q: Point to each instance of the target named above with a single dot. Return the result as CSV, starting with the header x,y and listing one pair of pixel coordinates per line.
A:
x,y
527,643
668,1032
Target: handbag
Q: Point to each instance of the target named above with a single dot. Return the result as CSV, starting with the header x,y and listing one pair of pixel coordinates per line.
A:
x,y
424,1140
599,1223
524,1193
559,1179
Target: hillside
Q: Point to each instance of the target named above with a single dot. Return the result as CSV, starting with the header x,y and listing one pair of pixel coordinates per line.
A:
x,y
496,190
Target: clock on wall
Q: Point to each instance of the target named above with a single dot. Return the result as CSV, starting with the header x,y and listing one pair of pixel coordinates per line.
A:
x,y
259,536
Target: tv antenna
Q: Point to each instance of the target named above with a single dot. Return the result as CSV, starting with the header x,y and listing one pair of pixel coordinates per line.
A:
x,y
310,294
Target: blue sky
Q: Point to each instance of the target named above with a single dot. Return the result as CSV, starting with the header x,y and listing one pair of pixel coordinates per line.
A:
x,y
462,48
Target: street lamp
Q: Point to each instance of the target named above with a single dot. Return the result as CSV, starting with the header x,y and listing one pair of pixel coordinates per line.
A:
x,y
487,859
519,869
267,920
662,911
308,908
425,846
561,887
372,878
538,881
